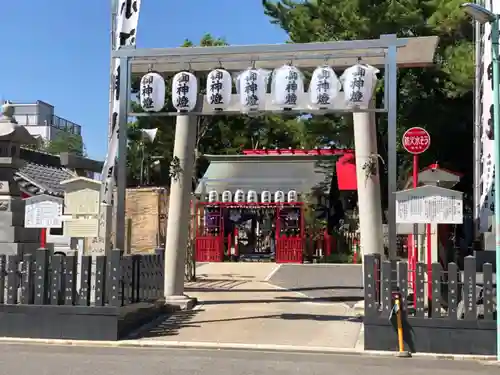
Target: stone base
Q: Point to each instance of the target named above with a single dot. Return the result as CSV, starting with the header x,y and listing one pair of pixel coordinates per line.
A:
x,y
359,308
180,302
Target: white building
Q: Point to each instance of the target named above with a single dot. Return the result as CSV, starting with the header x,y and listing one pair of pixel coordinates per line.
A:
x,y
40,120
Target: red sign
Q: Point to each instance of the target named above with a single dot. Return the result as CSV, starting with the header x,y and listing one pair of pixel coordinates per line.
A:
x,y
416,140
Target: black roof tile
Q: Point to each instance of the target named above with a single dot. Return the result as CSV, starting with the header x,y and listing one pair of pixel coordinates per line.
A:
x,y
45,177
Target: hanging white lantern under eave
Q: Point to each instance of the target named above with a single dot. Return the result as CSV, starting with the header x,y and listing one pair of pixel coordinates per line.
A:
x,y
292,196
265,196
219,89
152,92
227,196
213,196
252,196
287,87
239,196
279,197
184,91
251,86
323,88
359,83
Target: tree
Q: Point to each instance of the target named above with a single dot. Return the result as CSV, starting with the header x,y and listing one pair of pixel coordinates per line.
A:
x,y
65,142
437,98
216,134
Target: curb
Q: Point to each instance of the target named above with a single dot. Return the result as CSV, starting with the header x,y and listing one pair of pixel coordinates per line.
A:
x,y
237,346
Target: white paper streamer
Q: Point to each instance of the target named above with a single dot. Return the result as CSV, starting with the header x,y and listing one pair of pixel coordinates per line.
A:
x,y
486,202
126,32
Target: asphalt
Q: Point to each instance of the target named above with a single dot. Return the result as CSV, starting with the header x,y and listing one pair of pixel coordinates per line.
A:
x,y
322,282
25,359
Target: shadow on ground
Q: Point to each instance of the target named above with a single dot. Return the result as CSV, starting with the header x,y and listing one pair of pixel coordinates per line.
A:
x,y
286,300
201,288
171,325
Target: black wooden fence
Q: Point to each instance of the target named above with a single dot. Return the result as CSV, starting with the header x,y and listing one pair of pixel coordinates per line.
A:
x,y
459,317
46,279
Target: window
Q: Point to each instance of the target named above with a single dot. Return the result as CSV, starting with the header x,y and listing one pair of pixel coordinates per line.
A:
x,y
26,119
56,231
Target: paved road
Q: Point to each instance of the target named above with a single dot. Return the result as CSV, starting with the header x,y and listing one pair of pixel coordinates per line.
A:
x,y
322,282
58,360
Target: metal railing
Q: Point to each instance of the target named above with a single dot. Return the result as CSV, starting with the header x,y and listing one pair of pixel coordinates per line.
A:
x,y
53,121
66,125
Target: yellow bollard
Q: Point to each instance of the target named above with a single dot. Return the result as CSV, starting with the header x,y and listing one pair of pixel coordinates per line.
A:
x,y
401,345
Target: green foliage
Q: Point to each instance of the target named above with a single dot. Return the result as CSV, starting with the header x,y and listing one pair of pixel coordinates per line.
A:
x,y
216,134
438,98
65,142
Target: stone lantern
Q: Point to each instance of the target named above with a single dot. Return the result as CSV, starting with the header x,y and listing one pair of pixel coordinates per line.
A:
x,y
14,238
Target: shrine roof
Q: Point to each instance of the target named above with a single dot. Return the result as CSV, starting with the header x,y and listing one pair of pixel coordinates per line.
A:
x,y
303,173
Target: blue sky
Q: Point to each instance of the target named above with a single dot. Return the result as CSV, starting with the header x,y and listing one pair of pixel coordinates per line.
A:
x,y
58,50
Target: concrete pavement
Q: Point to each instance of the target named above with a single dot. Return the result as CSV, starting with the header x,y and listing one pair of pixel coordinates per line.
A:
x,y
322,282
21,359
238,306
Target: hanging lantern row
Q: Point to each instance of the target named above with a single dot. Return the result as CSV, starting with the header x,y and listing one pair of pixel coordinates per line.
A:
x,y
252,196
287,87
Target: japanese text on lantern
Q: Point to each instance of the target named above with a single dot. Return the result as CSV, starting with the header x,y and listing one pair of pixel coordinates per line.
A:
x,y
357,83
216,87
147,92
183,91
251,88
323,87
291,87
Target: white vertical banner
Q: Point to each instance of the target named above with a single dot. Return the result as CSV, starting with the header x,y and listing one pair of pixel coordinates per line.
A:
x,y
127,19
487,203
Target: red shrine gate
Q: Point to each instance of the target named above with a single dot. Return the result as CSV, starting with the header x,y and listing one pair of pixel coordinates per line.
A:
x,y
217,232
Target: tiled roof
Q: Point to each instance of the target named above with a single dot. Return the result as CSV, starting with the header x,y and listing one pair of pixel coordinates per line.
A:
x,y
36,178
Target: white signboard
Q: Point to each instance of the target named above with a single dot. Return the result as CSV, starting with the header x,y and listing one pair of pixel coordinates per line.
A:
x,y
429,205
81,227
43,211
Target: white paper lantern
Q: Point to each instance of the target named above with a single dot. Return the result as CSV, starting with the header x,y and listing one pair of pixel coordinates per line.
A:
x,y
227,196
152,94
323,88
251,86
184,91
219,87
359,83
265,196
287,87
252,196
291,196
213,196
239,196
279,196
